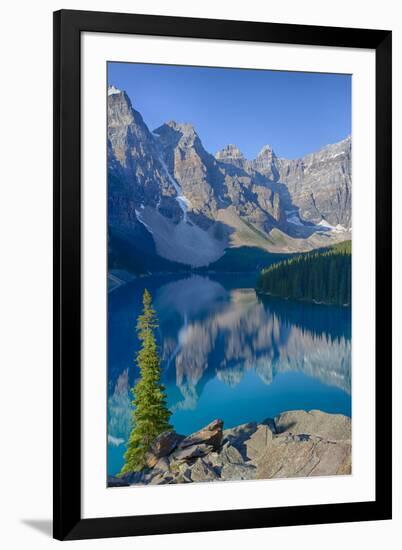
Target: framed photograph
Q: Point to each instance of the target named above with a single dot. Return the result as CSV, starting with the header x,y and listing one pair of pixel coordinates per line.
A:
x,y
222,299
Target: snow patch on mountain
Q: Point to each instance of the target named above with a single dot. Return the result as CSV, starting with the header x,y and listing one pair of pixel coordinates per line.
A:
x,y
336,229
183,202
113,90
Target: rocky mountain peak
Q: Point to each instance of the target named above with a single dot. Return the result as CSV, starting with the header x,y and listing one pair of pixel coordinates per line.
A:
x,y
183,127
173,133
112,90
266,163
230,153
266,152
331,152
136,172
120,110
320,185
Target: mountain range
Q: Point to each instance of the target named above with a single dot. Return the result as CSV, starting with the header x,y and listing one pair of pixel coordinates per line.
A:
x,y
172,203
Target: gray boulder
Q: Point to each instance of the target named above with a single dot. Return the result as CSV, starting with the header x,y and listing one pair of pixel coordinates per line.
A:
x,y
215,460
162,446
163,465
230,455
202,471
303,456
234,472
328,426
258,441
189,453
238,435
210,435
182,475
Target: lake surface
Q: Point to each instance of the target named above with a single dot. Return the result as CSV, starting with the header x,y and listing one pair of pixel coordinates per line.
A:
x,y
227,353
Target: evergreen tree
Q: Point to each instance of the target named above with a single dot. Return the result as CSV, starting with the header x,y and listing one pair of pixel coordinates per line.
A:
x,y
150,415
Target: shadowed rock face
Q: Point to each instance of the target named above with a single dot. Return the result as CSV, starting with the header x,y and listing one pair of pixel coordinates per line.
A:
x,y
266,163
195,170
135,172
211,186
319,445
193,205
320,184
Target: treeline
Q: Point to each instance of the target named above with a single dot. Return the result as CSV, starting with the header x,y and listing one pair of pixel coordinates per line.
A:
x,y
320,276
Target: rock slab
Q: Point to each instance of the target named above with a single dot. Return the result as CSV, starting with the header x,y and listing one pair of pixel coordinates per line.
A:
x,y
162,446
336,427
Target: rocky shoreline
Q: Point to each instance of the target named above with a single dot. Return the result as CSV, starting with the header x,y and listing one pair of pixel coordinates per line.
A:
x,y
293,444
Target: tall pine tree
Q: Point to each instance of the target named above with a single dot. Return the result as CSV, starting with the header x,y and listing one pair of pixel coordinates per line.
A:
x,y
150,415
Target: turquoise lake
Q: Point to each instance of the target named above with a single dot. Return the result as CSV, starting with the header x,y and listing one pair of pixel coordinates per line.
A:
x,y
227,353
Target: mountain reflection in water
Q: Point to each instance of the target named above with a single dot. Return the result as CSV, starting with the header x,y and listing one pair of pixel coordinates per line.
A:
x,y
228,353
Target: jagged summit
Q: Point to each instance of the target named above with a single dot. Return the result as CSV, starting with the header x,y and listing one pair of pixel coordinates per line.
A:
x,y
263,162
112,90
171,133
266,163
231,154
183,128
231,151
266,150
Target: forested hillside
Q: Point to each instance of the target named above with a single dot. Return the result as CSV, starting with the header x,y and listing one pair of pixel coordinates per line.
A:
x,y
323,277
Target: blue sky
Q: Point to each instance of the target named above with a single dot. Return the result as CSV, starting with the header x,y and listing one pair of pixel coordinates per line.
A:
x,y
295,113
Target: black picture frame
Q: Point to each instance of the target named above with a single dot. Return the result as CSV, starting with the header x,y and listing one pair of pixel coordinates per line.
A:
x,y
68,26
